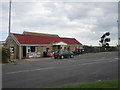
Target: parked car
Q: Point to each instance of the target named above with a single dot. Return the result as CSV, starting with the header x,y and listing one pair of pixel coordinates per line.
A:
x,y
62,54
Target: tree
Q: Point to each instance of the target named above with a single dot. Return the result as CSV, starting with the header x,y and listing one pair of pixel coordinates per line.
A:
x,y
104,41
107,33
107,40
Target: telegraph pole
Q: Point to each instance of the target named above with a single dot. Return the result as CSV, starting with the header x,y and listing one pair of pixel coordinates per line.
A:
x,y
9,28
118,21
9,17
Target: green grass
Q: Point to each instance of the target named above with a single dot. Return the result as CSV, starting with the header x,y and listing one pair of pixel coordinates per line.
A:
x,y
100,84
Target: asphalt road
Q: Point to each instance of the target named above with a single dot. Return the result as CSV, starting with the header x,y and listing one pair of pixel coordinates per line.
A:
x,y
58,72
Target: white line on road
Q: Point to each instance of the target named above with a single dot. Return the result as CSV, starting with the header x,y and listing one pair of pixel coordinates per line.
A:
x,y
30,70
115,58
95,62
105,59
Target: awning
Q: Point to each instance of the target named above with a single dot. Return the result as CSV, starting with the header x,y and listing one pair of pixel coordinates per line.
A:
x,y
59,43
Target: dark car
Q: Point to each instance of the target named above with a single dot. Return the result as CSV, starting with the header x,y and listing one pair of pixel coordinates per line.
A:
x,y
62,54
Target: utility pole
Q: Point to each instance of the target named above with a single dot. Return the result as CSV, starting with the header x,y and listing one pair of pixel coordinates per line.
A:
x,y
9,27
118,21
9,17
118,33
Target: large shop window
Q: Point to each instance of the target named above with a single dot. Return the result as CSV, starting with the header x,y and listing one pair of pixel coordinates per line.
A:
x,y
32,48
12,50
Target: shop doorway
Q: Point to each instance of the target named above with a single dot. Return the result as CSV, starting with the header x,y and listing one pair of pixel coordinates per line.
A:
x,y
24,51
59,47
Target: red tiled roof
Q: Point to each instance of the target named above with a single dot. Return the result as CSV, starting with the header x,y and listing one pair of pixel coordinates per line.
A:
x,y
71,41
42,40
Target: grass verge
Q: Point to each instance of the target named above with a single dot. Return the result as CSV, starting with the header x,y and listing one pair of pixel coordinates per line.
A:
x,y
99,84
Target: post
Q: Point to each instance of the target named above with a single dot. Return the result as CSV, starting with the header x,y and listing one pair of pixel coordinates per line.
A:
x,y
118,21
9,25
9,17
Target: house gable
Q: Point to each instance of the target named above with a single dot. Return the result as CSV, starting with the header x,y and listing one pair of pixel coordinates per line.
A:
x,y
10,42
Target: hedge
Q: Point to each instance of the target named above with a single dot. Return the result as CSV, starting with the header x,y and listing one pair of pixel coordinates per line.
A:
x,y
5,55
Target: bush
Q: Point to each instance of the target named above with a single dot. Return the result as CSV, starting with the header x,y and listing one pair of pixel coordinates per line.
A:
x,y
112,49
5,54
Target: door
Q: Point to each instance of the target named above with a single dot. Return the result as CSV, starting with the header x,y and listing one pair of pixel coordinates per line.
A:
x,y
59,47
24,51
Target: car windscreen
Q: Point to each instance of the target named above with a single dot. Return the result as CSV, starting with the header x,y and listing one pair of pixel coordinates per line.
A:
x,y
62,50
57,51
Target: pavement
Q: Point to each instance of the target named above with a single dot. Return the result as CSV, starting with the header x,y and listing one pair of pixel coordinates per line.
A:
x,y
50,72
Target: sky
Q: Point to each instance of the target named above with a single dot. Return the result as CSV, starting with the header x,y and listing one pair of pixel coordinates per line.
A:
x,y
85,21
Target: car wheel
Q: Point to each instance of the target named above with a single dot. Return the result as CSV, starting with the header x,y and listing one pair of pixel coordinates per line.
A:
x,y
55,57
62,57
71,56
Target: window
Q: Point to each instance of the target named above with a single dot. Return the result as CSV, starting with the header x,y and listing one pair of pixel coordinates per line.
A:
x,y
44,49
12,50
65,51
32,48
29,50
57,51
47,49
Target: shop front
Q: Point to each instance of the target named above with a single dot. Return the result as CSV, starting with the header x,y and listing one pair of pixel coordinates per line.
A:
x,y
36,46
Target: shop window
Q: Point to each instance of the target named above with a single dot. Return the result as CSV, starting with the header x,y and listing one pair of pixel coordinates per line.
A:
x,y
29,50
44,49
12,50
47,49
32,48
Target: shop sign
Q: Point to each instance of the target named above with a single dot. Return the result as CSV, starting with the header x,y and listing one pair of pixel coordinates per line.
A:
x,y
34,54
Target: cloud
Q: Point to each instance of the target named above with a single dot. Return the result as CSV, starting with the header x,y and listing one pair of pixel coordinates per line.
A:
x,y
84,21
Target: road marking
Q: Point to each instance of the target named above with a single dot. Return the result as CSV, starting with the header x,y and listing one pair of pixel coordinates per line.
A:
x,y
115,58
102,60
97,62
30,70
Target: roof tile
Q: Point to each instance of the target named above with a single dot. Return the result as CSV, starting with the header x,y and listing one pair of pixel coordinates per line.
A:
x,y
42,40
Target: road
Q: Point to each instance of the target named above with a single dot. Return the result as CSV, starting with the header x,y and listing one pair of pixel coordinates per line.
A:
x,y
49,73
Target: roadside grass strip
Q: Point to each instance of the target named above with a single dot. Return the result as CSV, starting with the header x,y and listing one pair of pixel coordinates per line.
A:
x,y
99,84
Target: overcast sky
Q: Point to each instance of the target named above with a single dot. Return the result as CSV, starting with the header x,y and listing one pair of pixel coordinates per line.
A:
x,y
85,21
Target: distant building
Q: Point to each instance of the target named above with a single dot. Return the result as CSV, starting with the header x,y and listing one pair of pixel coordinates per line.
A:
x,y
29,44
